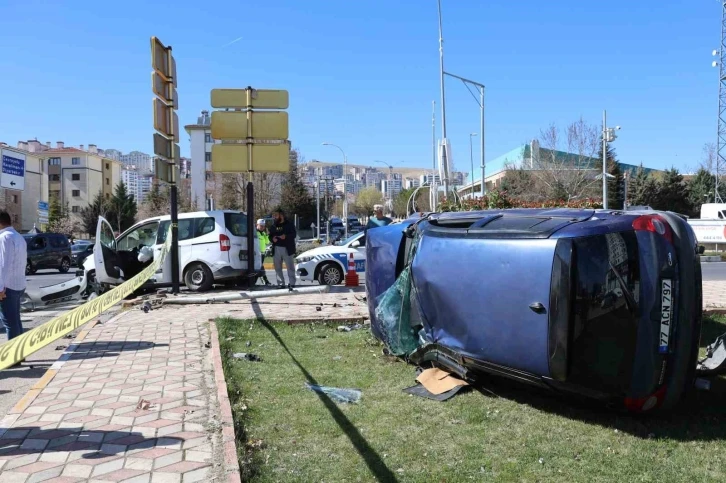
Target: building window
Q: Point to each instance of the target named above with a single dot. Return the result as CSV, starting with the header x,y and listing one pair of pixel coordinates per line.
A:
x,y
75,177
53,161
208,176
207,157
75,209
15,199
207,137
108,166
76,161
108,196
108,181
55,177
76,192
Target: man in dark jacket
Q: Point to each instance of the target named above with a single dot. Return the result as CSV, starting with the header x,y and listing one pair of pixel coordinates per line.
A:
x,y
282,235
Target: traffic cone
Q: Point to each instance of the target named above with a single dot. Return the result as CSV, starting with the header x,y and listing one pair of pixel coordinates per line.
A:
x,y
351,278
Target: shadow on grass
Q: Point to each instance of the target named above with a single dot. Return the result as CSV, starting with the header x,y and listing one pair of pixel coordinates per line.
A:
x,y
370,456
710,329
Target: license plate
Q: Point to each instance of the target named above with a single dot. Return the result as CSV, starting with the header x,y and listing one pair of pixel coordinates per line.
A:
x,y
666,315
243,255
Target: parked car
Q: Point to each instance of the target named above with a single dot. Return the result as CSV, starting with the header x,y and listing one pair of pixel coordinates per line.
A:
x,y
212,249
594,303
328,264
79,253
48,250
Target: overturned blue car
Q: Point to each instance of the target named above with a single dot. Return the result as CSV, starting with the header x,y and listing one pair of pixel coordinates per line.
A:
x,y
596,303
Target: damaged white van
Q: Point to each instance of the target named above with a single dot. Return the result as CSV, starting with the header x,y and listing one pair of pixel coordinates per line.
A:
x,y
212,249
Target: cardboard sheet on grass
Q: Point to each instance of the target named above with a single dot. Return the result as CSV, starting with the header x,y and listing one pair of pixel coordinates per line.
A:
x,y
436,384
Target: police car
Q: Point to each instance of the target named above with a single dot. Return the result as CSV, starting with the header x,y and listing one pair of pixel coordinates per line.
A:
x,y
328,264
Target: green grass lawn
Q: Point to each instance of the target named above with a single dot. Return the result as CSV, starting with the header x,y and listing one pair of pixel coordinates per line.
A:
x,y
289,433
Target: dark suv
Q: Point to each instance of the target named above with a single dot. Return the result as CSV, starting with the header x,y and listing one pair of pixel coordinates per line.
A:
x,y
48,250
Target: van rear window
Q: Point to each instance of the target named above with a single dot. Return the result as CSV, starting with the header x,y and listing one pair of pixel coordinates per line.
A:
x,y
605,314
236,223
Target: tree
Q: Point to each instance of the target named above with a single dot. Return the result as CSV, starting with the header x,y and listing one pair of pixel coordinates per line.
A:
x,y
367,199
700,190
122,208
55,210
569,174
520,183
157,202
295,198
90,214
672,193
230,195
642,189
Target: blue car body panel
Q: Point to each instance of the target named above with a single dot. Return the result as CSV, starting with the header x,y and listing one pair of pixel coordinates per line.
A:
x,y
460,310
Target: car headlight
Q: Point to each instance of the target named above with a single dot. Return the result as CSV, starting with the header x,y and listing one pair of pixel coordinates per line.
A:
x,y
303,259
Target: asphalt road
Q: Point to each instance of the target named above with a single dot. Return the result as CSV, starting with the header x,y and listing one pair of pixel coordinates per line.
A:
x,y
714,271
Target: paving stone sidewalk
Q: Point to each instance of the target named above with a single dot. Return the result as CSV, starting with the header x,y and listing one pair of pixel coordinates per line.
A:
x,y
714,294
136,399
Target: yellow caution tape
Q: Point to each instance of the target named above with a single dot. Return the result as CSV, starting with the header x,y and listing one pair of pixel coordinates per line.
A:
x,y
19,348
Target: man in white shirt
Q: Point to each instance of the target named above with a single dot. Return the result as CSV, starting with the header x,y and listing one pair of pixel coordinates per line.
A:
x,y
13,258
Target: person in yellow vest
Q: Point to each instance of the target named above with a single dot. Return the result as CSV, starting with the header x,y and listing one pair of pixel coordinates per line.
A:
x,y
264,239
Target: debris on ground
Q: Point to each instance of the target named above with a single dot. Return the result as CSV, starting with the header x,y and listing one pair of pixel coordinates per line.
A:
x,y
437,385
247,356
348,328
228,339
208,344
248,343
337,394
61,347
143,404
337,358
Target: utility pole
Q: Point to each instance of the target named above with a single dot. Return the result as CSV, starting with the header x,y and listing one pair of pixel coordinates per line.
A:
x,y
444,142
434,193
604,160
721,119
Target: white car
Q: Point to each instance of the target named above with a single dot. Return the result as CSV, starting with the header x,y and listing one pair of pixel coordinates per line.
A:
x,y
328,264
212,248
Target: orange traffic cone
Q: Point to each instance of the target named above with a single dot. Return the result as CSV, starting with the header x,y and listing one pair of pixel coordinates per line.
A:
x,y
351,278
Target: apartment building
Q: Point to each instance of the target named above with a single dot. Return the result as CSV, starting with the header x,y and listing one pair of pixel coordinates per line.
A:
x,y
23,205
77,175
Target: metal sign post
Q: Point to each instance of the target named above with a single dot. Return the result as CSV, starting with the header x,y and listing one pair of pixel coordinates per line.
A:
x,y
250,141
166,123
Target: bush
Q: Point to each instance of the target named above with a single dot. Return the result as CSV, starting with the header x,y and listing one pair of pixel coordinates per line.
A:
x,y
497,200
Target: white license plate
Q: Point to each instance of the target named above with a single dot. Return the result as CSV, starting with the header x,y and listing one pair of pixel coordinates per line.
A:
x,y
666,315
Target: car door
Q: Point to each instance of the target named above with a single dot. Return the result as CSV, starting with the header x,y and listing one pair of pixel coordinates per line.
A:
x,y
359,255
105,256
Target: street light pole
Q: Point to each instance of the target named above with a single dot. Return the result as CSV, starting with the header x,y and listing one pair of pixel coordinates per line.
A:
x,y
317,202
444,157
604,160
481,154
345,187
471,158
434,190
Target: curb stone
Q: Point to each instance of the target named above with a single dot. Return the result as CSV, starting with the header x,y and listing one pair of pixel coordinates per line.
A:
x,y
231,463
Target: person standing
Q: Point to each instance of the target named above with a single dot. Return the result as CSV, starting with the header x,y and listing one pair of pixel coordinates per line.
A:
x,y
283,236
378,219
13,258
264,242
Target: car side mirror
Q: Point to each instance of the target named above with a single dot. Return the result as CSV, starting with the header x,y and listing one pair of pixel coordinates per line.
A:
x,y
355,244
701,249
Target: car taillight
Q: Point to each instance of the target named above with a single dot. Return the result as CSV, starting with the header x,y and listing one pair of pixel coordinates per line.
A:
x,y
645,403
654,224
224,244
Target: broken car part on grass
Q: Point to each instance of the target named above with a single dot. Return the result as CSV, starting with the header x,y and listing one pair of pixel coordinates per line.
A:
x,y
601,304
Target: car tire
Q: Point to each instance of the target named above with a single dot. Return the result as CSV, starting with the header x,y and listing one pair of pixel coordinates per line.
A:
x,y
29,268
65,265
330,274
198,277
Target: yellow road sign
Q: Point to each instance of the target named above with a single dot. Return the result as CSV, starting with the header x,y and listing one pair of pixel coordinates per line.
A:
x,y
266,158
160,59
166,120
234,125
260,98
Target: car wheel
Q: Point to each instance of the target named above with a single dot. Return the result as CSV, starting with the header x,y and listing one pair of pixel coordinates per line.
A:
x,y
65,266
330,274
198,277
29,268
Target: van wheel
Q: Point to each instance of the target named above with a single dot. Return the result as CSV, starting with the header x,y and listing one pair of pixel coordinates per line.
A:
x,y
330,274
198,277
64,266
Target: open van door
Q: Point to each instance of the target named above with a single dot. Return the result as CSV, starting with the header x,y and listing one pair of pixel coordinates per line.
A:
x,y
105,256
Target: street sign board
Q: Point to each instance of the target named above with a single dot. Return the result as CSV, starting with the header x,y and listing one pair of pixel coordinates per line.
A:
x,y
161,87
228,125
266,158
43,205
163,147
12,172
162,170
166,120
160,59
261,98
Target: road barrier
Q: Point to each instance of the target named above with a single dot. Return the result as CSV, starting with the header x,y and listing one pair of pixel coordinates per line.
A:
x,y
19,348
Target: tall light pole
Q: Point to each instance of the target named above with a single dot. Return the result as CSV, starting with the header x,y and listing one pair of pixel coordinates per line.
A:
x,y
471,158
608,136
345,186
444,144
390,178
434,192
317,203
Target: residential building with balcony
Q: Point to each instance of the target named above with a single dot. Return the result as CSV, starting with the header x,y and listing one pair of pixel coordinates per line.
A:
x,y
22,205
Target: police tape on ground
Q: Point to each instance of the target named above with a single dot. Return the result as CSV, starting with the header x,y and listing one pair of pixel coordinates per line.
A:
x,y
21,347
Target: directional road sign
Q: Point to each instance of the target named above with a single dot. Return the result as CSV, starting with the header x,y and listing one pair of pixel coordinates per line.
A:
x,y
234,158
234,125
12,172
260,98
